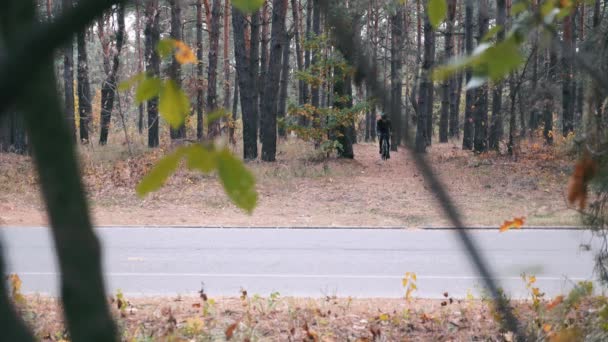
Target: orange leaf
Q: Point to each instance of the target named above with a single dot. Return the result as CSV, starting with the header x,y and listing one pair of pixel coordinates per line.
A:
x,y
547,327
555,302
230,330
516,223
184,53
584,171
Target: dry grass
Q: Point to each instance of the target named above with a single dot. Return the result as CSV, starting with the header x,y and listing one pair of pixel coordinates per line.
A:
x,y
302,189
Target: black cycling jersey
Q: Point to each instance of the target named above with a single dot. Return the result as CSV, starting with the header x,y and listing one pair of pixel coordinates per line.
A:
x,y
383,126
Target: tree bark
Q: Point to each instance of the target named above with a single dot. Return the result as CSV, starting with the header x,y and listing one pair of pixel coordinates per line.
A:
x,y
307,52
152,34
424,90
295,8
315,100
108,89
199,70
214,38
396,45
469,128
84,88
264,39
455,83
140,64
342,87
246,80
496,127
226,61
175,70
271,83
68,78
283,93
481,93
448,85
567,71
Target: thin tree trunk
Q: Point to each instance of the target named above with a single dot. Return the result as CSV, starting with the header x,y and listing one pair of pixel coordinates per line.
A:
x,y
282,106
549,105
68,78
307,52
227,55
199,70
152,34
235,104
84,88
496,128
264,39
567,95
455,84
271,83
469,128
214,39
481,93
108,89
175,70
140,63
448,85
315,99
295,8
396,44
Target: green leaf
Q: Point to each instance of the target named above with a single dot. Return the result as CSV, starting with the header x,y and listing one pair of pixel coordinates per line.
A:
x,y
216,115
437,12
173,104
201,159
165,47
148,88
131,81
247,6
155,179
502,58
238,182
518,7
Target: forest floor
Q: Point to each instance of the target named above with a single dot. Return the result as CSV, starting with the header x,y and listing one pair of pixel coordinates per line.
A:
x,y
253,318
303,190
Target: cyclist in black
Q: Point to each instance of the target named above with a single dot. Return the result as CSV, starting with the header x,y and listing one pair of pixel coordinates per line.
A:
x,y
384,128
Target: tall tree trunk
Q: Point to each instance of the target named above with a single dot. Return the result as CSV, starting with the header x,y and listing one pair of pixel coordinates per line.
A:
x,y
152,34
396,45
175,70
246,80
469,128
227,55
430,89
342,87
567,95
548,107
375,47
307,51
214,39
496,128
199,70
108,89
455,83
264,39
68,78
235,105
448,85
282,106
254,59
481,93
315,100
84,88
534,112
295,9
271,83
140,63
425,86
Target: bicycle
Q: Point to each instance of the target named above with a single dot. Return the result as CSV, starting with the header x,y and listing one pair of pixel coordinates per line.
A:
x,y
384,149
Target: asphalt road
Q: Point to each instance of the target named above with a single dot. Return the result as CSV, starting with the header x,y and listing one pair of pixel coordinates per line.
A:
x,y
309,262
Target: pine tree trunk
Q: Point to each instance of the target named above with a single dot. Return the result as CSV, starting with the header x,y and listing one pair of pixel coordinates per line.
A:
x,y
199,70
307,52
254,59
264,39
175,70
108,89
68,78
567,95
214,39
342,88
548,107
271,83
282,106
396,45
496,127
227,55
430,88
315,99
84,88
424,90
295,8
455,83
469,128
152,36
481,93
448,84
140,64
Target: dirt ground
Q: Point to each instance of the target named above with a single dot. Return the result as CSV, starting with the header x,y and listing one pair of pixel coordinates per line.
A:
x,y
301,190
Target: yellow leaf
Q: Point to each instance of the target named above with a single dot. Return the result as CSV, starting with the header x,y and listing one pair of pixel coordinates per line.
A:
x,y
184,54
532,279
384,317
547,327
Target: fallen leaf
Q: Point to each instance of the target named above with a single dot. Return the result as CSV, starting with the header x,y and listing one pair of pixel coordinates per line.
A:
x,y
230,330
516,223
